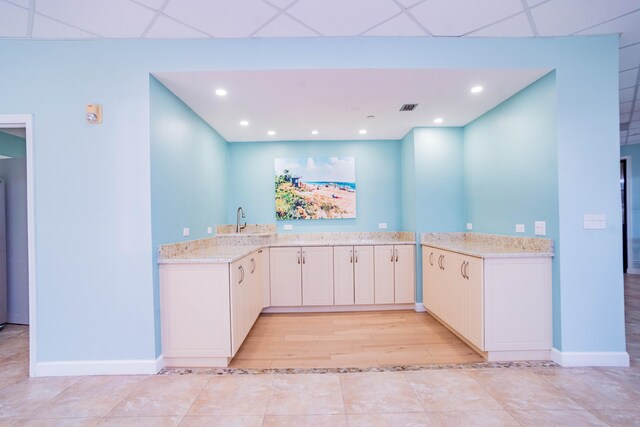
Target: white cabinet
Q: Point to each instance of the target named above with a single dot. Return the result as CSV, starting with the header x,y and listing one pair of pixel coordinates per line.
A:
x,y
301,276
246,297
353,275
502,306
394,274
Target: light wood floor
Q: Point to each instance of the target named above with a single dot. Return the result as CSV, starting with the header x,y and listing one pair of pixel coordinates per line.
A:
x,y
362,339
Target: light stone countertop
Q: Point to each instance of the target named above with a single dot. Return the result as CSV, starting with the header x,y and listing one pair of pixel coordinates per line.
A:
x,y
489,245
231,247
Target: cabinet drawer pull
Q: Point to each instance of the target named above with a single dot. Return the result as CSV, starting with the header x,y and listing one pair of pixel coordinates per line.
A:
x,y
253,265
396,255
241,274
298,257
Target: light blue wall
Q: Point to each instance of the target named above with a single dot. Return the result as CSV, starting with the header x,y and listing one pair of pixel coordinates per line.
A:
x,y
94,248
188,176
12,146
408,163
378,182
633,185
512,172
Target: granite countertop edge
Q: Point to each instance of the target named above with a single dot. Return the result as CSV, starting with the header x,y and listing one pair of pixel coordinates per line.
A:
x,y
488,253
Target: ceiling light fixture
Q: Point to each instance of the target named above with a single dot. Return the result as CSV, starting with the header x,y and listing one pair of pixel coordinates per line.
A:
x,y
362,131
244,123
477,89
314,132
271,132
221,92
438,120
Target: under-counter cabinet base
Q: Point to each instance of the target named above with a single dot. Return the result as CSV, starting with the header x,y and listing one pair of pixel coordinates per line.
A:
x,y
501,307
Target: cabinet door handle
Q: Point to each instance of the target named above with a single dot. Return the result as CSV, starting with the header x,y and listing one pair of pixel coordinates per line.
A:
x,y
303,257
259,251
253,265
298,257
442,262
351,256
462,269
241,274
396,255
430,258
466,270
356,255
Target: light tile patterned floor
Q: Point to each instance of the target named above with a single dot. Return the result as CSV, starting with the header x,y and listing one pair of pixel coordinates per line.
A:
x,y
461,397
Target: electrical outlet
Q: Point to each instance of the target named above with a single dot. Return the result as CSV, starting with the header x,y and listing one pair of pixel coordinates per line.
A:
x,y
469,226
540,228
382,225
288,227
185,231
519,228
209,230
595,221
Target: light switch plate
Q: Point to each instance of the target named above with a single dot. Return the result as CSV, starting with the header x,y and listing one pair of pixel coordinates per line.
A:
x,y
540,228
519,228
382,225
185,231
288,227
595,221
209,230
469,226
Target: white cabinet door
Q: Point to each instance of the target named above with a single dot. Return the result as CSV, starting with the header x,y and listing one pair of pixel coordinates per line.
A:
x,y
317,276
384,257
404,274
343,275
286,277
363,275
254,298
240,290
473,301
194,301
263,274
430,277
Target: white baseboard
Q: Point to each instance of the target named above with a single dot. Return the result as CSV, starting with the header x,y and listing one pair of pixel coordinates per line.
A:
x,y
160,363
99,367
338,308
420,308
633,271
590,358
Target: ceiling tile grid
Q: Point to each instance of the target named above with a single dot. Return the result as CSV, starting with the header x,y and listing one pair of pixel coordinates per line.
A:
x,y
89,19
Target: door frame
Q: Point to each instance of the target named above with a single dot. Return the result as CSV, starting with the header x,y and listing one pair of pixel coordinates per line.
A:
x,y
26,121
629,208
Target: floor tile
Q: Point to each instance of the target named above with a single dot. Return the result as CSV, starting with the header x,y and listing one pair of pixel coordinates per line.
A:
x,y
234,395
139,422
161,396
89,397
408,419
22,398
222,421
59,422
304,420
619,418
522,389
556,417
304,394
378,392
627,376
450,391
591,388
471,418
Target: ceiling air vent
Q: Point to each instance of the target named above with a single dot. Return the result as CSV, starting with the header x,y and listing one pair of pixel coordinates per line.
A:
x,y
408,107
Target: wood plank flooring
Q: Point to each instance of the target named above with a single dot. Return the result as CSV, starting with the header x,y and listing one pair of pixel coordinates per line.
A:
x,y
345,340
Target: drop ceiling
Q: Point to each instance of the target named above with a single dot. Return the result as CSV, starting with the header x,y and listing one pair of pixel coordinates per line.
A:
x,y
168,19
338,104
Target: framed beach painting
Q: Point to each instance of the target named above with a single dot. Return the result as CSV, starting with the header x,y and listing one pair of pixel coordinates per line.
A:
x,y
315,188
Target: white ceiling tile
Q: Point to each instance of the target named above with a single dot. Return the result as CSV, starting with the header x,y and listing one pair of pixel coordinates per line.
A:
x,y
282,4
409,3
13,21
628,26
629,57
166,28
154,4
455,18
626,95
222,18
517,26
562,17
532,3
628,78
23,3
44,27
343,18
625,107
401,25
285,26
115,18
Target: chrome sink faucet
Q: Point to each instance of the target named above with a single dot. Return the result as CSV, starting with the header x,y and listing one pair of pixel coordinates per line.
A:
x,y
240,227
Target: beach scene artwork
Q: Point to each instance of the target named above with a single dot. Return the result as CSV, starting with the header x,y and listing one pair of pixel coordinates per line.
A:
x,y
315,188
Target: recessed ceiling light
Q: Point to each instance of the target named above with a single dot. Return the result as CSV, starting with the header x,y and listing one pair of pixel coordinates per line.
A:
x,y
477,89
221,92
438,120
362,131
314,132
244,123
271,132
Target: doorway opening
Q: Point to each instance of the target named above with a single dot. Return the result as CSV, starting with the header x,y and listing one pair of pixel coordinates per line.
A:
x,y
17,244
625,201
